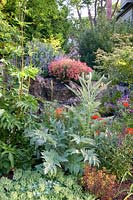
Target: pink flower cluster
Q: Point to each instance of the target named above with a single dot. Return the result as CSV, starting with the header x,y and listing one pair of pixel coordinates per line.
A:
x,y
66,69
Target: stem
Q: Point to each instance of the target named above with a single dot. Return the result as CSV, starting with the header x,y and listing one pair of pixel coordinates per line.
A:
x,y
28,85
126,198
22,7
5,78
52,89
22,57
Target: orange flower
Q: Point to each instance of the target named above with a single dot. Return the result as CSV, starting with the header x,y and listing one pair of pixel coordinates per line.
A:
x,y
129,131
59,111
94,117
97,132
125,104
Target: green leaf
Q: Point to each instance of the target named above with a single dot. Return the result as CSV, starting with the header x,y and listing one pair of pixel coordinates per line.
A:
x,y
82,139
52,160
75,164
1,112
6,164
90,156
11,159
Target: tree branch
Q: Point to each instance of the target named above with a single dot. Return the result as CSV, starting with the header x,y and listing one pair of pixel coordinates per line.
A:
x,y
90,16
115,8
95,11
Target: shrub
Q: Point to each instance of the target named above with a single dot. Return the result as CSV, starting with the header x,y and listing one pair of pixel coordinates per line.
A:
x,y
17,113
40,55
115,152
66,69
92,39
99,182
15,117
14,156
101,37
117,64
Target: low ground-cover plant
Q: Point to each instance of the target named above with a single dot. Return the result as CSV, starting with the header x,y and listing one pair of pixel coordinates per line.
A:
x,y
27,185
68,69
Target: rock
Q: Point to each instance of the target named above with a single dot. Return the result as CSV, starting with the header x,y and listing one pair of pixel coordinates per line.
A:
x,y
51,89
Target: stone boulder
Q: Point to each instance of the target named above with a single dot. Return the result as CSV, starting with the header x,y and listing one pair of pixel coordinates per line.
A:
x,y
51,89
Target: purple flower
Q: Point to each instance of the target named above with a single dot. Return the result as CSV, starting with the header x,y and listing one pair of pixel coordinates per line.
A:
x,y
131,110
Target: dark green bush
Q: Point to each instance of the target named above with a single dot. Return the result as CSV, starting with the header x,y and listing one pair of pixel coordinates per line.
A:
x,y
100,37
92,39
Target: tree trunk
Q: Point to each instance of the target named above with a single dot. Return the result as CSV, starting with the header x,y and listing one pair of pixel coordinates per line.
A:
x,y
109,9
90,16
79,14
95,11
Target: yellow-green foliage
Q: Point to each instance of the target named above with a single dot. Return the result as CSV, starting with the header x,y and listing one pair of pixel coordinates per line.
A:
x,y
119,63
29,185
55,42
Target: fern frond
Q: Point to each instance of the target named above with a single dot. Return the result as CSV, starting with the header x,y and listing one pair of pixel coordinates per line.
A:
x,y
1,112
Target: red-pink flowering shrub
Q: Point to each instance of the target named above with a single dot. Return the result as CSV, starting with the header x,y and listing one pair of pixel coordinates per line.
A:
x,y
66,69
